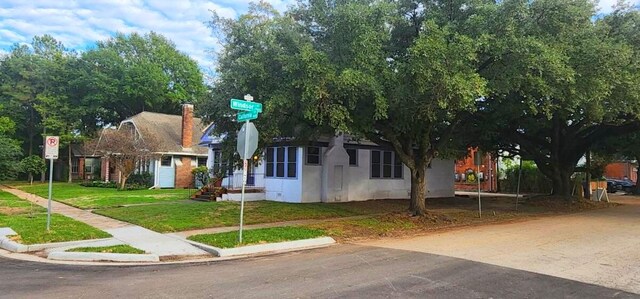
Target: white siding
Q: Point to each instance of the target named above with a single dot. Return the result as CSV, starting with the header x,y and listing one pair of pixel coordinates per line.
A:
x,y
286,189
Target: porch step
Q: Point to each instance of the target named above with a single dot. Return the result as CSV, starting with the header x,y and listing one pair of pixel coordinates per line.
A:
x,y
206,196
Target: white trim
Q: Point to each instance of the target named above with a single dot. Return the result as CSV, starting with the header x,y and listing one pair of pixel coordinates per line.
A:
x,y
181,154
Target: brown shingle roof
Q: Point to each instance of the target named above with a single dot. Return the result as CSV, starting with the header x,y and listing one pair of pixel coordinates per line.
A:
x,y
168,130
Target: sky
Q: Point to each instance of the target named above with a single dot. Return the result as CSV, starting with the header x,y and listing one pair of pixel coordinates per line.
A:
x,y
79,23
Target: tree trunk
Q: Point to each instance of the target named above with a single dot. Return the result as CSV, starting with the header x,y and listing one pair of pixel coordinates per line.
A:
x,y
561,182
30,178
418,191
123,181
70,179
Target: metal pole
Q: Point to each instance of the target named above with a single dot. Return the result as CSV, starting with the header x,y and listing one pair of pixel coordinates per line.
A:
x,y
244,176
479,200
518,187
50,189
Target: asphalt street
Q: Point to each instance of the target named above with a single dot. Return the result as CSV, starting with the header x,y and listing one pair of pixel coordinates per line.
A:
x,y
343,271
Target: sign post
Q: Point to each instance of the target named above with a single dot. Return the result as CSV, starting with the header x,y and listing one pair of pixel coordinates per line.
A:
x,y
478,161
51,149
247,142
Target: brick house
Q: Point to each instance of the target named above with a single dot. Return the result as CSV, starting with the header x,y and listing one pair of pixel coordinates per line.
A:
x,y
466,173
178,137
621,170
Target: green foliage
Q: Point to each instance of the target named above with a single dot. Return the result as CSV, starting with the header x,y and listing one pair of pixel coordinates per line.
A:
x,y
33,165
9,154
558,82
258,236
387,71
144,179
201,175
531,181
128,74
99,184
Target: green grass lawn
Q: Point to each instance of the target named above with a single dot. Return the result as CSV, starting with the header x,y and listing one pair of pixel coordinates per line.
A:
x,y
93,198
196,215
258,236
29,221
109,249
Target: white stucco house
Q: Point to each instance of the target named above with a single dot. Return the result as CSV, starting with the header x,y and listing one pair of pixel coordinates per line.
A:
x,y
336,169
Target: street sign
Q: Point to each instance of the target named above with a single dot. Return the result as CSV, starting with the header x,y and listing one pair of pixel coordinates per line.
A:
x,y
246,105
51,147
247,115
248,136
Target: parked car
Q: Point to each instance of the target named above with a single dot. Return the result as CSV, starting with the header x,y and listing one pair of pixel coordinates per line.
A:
x,y
620,185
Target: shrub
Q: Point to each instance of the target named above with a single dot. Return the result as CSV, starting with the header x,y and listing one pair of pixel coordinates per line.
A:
x,y
99,184
141,180
532,180
201,174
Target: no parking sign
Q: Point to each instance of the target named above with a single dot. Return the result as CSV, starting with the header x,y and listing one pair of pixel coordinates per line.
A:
x,y
51,147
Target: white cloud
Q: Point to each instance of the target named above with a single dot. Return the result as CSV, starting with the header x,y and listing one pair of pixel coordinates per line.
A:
x,y
606,6
79,24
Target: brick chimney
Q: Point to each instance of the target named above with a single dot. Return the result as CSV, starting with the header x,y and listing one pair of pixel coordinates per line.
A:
x,y
187,125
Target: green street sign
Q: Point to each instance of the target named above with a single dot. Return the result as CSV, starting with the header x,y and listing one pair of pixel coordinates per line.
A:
x,y
246,106
247,115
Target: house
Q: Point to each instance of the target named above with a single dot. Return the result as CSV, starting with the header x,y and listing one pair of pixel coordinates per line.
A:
x,y
84,165
335,169
467,173
178,149
622,170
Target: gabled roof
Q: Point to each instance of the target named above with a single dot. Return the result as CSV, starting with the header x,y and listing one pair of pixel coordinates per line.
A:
x,y
167,129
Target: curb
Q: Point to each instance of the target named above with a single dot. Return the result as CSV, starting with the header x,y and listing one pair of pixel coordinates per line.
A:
x,y
267,248
98,256
10,245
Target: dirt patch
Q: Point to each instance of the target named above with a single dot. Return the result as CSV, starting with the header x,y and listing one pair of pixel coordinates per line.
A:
x,y
14,210
449,213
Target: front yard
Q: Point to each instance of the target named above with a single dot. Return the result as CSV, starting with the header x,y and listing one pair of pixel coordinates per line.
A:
x,y
172,217
93,197
168,211
29,221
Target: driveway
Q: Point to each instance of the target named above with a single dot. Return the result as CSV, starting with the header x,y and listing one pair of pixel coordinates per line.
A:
x,y
599,247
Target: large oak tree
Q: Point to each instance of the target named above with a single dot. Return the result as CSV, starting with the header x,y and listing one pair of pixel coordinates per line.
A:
x,y
391,72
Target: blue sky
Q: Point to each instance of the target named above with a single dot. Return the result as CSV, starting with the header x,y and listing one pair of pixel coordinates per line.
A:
x,y
79,23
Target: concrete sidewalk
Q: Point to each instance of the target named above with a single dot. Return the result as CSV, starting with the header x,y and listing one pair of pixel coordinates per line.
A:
x,y
136,236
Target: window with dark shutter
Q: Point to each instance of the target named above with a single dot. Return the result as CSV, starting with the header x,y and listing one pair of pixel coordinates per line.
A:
x,y
313,155
353,156
375,164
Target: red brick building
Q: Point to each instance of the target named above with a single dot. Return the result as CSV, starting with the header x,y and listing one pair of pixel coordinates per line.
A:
x,y
466,173
621,170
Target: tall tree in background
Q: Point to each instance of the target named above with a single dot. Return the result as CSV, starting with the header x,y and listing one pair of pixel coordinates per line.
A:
x,y
128,74
9,149
559,81
386,71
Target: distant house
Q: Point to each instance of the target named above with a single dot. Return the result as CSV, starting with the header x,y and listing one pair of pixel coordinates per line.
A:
x,y
467,173
178,137
334,169
622,170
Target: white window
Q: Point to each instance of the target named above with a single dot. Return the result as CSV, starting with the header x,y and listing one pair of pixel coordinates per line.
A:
x,y
281,162
75,163
385,165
